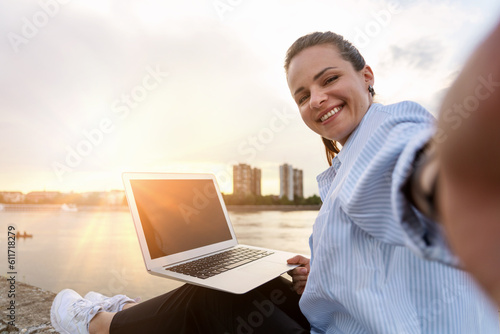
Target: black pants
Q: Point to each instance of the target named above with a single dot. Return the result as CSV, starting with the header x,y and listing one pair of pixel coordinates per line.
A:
x,y
270,309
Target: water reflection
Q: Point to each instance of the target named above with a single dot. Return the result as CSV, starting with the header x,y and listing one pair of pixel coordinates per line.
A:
x,y
99,251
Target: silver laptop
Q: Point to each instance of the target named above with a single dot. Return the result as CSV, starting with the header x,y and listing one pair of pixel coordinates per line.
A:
x,y
185,234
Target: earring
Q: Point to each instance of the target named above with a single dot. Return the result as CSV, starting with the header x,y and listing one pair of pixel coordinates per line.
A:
x,y
371,90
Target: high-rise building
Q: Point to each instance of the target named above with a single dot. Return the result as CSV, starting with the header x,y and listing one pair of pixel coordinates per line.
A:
x,y
298,188
246,180
291,182
256,181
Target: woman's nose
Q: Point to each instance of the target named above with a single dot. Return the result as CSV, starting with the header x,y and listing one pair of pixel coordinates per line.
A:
x,y
317,99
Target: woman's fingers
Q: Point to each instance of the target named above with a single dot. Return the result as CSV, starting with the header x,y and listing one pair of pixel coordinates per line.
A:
x,y
299,275
298,259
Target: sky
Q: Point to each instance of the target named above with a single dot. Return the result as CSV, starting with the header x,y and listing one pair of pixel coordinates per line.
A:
x,y
94,88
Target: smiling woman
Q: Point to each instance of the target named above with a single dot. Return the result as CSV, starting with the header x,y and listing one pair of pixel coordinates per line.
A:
x,y
324,64
370,242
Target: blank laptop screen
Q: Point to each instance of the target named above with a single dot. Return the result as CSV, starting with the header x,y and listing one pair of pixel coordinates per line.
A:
x,y
179,215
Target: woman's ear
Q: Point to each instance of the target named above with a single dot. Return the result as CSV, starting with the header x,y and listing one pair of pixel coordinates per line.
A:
x,y
368,75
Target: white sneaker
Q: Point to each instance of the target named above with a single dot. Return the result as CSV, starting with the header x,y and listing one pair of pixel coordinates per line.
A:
x,y
71,314
109,304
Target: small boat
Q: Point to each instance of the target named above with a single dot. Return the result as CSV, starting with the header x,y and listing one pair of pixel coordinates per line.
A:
x,y
24,235
69,208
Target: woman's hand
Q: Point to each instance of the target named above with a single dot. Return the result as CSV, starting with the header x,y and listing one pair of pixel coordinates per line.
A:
x,y
299,274
469,151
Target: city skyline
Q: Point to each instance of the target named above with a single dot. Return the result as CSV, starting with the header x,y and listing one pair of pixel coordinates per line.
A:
x,y
97,88
247,176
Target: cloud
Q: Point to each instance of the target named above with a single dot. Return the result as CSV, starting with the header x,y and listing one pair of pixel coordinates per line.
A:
x,y
225,78
65,81
423,54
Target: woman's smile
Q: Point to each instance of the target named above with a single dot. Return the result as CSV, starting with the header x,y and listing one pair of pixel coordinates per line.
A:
x,y
330,114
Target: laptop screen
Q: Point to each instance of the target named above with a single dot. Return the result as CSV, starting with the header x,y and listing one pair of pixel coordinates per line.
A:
x,y
179,215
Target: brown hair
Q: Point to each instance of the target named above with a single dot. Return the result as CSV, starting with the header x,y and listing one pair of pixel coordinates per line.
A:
x,y
347,51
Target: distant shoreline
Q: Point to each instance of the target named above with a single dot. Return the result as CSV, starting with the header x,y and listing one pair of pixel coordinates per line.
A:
x,y
273,207
238,208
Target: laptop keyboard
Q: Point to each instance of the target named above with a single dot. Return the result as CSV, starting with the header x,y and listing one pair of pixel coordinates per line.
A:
x,y
216,264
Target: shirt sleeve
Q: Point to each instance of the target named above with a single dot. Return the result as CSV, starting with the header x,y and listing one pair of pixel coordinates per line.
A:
x,y
372,195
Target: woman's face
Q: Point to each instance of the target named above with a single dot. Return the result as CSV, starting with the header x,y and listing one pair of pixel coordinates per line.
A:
x,y
332,96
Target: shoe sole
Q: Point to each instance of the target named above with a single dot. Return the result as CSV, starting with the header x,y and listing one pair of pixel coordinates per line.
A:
x,y
54,315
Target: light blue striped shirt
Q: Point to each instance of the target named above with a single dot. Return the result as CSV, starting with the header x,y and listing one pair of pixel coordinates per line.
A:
x,y
378,265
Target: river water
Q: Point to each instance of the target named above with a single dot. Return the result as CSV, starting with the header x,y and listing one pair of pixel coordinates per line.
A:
x,y
99,251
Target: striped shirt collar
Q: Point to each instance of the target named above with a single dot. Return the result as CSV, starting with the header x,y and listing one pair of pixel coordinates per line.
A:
x,y
325,178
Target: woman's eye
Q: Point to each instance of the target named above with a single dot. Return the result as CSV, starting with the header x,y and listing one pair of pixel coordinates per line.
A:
x,y
331,79
302,99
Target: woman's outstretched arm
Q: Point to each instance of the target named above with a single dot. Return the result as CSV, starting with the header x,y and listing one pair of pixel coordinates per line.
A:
x,y
468,153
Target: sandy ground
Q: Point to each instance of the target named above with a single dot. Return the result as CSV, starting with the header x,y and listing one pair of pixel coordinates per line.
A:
x,y
32,308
